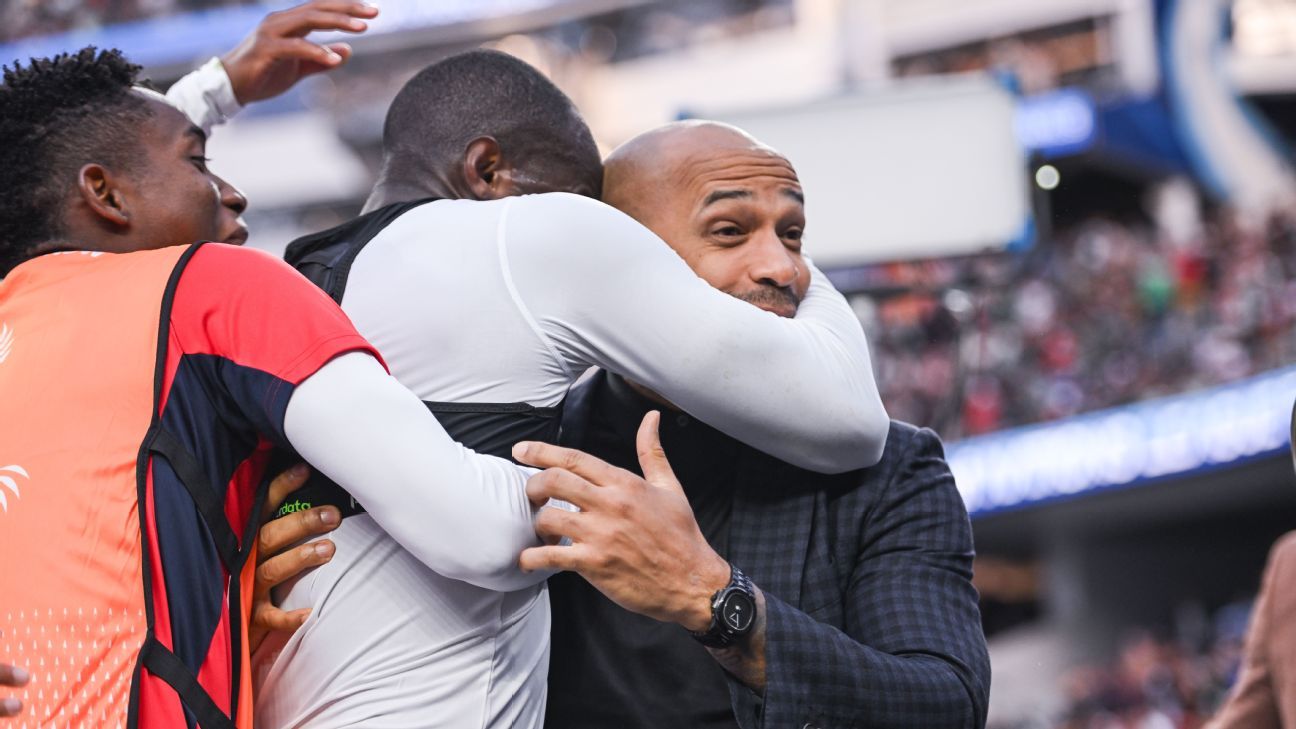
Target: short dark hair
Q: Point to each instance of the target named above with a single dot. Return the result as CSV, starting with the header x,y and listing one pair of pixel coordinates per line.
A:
x,y
486,93
56,115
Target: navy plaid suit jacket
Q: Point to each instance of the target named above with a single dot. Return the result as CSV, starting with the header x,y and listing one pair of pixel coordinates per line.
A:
x,y
871,617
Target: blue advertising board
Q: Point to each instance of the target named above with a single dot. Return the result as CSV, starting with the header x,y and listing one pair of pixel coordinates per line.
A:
x,y
1127,446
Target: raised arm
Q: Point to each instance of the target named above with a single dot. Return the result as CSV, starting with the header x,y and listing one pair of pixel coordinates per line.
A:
x,y
464,515
269,61
608,292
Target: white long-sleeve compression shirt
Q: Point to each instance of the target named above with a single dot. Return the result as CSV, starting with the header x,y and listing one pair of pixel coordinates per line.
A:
x,y
362,428
519,296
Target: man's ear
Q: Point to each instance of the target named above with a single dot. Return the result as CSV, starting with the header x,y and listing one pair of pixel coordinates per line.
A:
x,y
481,169
100,192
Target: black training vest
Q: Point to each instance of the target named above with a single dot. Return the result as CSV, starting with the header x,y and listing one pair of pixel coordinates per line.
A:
x,y
492,428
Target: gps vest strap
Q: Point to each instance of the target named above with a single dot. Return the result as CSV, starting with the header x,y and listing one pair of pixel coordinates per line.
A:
x,y
165,665
143,506
326,257
161,661
491,428
209,504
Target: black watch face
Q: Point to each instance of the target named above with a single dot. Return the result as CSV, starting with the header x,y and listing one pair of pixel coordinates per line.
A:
x,y
738,612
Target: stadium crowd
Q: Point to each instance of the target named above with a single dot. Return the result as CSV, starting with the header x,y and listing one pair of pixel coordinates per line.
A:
x,y
1156,681
1106,313
635,31
22,18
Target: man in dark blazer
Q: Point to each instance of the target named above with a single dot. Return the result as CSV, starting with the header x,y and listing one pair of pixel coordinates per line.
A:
x,y
865,614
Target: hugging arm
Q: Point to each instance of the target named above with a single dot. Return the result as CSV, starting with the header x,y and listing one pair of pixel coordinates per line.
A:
x,y
464,515
605,290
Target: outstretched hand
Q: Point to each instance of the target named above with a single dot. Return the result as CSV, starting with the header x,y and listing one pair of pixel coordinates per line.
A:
x,y
635,539
277,55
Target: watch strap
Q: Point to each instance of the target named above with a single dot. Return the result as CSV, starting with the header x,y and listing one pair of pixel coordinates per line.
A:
x,y
720,634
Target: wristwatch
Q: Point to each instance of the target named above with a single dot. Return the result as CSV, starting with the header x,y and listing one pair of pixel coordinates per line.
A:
x,y
733,612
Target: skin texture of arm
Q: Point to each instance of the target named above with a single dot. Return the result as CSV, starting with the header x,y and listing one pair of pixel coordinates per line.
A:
x,y
606,291
464,515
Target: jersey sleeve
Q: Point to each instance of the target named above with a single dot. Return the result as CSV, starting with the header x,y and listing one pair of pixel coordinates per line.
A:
x,y
606,291
261,327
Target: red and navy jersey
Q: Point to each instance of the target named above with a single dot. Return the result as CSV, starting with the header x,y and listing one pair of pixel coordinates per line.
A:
x,y
141,396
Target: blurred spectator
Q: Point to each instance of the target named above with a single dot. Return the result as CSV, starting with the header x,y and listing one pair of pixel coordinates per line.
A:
x,y
1107,314
1153,682
23,18
1040,60
670,25
632,32
1265,695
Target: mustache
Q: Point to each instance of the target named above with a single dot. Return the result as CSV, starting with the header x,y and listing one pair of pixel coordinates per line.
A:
x,y
769,295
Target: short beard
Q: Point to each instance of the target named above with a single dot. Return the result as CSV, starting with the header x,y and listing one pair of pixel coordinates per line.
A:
x,y
769,295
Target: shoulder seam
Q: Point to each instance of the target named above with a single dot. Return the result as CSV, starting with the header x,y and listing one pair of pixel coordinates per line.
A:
x,y
501,241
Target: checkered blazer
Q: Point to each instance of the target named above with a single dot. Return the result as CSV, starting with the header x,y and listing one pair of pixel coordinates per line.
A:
x,y
871,617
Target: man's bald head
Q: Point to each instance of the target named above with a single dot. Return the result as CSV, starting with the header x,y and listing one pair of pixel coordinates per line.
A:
x,y
667,154
731,206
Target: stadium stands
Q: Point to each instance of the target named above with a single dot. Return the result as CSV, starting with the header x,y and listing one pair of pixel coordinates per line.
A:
x,y
1111,313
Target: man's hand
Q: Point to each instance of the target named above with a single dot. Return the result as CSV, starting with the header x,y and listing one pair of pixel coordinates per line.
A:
x,y
276,563
277,55
17,678
635,539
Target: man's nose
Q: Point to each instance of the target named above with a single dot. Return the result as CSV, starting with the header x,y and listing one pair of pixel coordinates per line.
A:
x,y
232,198
773,264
